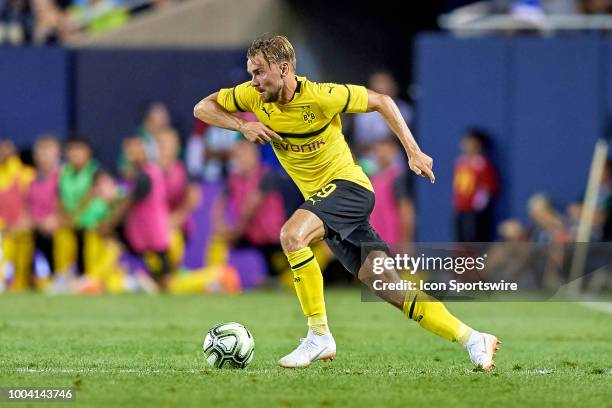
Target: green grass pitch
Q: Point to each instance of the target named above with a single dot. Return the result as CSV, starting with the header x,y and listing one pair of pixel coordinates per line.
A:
x,y
146,350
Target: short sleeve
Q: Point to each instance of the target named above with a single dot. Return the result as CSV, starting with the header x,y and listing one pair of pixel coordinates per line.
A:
x,y
240,98
343,98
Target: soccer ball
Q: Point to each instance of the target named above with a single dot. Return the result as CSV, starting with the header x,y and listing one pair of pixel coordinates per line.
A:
x,y
229,345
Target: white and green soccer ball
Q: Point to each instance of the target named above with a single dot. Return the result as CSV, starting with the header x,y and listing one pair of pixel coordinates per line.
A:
x,y
229,345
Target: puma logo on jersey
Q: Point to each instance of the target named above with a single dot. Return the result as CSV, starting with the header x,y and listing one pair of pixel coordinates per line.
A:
x,y
313,200
263,108
308,147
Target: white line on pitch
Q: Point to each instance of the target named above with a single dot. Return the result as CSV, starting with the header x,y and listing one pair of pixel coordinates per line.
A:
x,y
599,306
153,371
106,370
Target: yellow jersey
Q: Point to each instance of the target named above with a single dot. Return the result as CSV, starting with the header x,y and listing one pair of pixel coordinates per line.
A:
x,y
313,151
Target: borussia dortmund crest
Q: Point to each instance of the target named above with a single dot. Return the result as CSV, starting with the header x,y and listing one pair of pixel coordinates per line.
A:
x,y
307,114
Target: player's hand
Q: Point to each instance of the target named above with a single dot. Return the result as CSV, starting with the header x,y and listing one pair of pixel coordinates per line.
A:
x,y
422,165
257,132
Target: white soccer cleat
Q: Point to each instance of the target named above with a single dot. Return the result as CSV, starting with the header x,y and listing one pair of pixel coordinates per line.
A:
x,y
482,347
311,348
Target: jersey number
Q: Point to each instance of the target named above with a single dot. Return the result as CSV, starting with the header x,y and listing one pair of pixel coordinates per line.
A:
x,y
323,193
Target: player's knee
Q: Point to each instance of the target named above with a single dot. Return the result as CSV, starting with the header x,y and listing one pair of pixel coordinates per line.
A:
x,y
365,271
368,272
292,239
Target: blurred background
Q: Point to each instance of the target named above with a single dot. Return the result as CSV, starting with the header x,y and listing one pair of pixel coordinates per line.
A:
x,y
108,183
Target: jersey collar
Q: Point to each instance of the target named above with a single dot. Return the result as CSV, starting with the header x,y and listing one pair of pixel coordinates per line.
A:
x,y
298,88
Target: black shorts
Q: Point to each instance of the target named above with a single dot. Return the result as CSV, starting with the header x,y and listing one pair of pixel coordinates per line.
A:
x,y
345,208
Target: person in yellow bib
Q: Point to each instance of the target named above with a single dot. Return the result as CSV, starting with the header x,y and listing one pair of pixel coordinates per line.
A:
x,y
301,119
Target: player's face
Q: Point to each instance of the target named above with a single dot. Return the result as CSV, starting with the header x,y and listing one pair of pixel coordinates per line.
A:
x,y
266,78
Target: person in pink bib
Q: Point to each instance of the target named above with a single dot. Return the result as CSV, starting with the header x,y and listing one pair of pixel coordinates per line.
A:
x,y
147,222
255,205
393,214
43,196
182,194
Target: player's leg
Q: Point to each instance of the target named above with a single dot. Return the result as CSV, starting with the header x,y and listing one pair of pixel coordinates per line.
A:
x,y
298,233
302,229
429,312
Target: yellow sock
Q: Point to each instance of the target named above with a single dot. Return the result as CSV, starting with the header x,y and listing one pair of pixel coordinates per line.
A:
x,y
433,316
308,282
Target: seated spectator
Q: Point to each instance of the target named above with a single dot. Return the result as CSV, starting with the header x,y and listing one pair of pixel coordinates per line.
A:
x,y
601,220
183,196
595,7
371,127
255,205
393,214
102,248
209,149
43,196
550,230
512,258
155,119
16,22
474,186
524,15
106,190
49,25
98,254
147,222
17,245
549,226
512,231
76,180
96,15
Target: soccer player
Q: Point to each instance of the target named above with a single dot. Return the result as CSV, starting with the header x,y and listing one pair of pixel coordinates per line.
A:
x,y
302,121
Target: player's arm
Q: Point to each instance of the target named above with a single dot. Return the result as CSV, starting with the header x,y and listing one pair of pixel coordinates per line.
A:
x,y
419,162
208,110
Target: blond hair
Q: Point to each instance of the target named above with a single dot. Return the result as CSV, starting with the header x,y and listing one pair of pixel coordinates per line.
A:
x,y
274,49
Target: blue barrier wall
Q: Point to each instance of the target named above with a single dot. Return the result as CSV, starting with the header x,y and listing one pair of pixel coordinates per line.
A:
x,y
460,84
556,116
544,101
102,93
34,92
113,87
